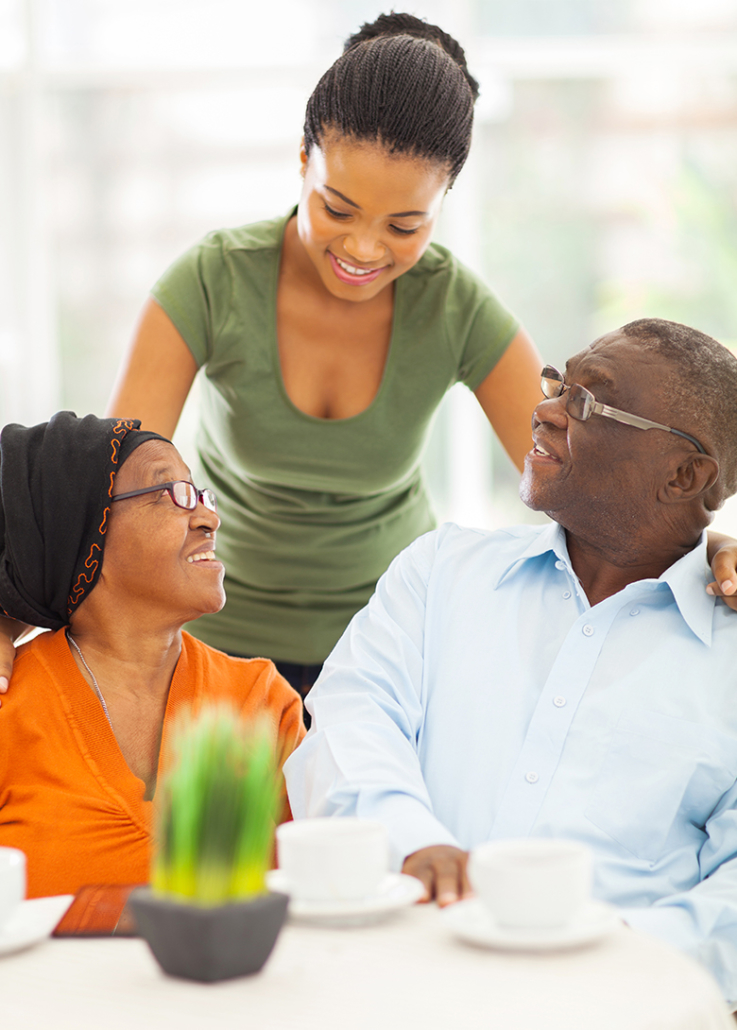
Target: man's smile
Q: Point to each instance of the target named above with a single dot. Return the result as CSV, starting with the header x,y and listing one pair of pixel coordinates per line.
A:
x,y
539,451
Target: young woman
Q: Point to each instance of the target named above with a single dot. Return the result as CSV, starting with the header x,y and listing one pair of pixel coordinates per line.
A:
x,y
328,338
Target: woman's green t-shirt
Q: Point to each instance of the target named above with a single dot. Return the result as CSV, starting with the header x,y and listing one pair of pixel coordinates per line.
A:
x,y
313,510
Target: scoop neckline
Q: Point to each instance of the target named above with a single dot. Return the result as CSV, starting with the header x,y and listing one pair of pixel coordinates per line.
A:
x,y
274,345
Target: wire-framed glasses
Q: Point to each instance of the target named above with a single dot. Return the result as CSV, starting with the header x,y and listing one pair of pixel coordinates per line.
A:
x,y
581,405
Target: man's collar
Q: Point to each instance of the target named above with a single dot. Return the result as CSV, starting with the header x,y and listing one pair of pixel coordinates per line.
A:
x,y
685,578
688,586
550,538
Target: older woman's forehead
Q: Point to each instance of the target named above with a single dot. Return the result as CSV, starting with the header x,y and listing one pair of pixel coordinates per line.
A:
x,y
153,462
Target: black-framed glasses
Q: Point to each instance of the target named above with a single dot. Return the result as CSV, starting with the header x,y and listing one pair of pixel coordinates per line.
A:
x,y
185,495
581,405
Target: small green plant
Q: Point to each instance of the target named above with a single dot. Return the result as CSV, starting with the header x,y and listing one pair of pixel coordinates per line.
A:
x,y
216,810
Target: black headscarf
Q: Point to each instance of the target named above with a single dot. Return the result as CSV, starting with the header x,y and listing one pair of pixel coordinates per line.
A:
x,y
56,481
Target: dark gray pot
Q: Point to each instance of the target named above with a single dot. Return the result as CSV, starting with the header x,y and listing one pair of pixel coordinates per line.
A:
x,y
209,944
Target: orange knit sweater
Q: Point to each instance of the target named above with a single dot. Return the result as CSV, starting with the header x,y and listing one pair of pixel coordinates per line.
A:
x,y
67,796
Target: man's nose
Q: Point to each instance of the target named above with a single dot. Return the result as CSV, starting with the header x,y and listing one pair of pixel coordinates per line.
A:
x,y
551,410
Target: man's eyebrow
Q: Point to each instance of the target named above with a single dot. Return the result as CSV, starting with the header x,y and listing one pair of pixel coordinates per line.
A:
x,y
394,214
595,376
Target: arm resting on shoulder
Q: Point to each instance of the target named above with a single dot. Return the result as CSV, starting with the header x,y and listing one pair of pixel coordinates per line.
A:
x,y
361,756
722,553
509,394
10,631
156,374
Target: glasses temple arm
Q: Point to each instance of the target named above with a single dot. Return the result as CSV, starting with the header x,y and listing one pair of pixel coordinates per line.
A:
x,y
642,423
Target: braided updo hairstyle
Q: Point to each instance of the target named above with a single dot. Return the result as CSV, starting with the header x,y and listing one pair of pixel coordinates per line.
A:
x,y
402,82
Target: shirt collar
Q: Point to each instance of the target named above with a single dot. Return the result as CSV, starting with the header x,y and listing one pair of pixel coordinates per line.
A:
x,y
685,578
688,586
549,538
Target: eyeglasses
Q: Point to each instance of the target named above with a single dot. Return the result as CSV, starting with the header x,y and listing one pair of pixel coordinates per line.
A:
x,y
581,405
185,495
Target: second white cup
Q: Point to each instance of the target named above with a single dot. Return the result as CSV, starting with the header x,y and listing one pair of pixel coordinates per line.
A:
x,y
533,883
339,859
12,882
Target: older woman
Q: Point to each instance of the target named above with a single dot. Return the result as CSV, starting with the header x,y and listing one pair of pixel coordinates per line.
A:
x,y
105,540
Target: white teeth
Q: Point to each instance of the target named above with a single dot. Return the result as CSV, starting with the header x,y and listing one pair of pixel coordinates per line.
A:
x,y
203,556
541,450
351,270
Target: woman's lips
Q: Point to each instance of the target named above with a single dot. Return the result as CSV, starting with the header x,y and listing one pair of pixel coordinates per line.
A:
x,y
345,276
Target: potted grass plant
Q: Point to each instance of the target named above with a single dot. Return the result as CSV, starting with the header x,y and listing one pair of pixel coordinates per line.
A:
x,y
208,914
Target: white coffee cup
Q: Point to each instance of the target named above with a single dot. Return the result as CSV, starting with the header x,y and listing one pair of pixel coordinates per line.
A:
x,y
532,883
12,882
339,859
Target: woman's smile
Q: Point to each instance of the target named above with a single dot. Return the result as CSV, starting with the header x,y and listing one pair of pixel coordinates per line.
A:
x,y
354,275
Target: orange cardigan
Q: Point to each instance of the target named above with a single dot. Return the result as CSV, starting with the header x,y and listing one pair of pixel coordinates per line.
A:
x,y
67,796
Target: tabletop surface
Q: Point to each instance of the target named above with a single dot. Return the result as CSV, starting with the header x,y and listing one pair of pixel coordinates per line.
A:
x,y
405,972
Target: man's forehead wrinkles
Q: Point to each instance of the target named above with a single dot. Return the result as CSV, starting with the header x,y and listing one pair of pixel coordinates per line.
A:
x,y
594,374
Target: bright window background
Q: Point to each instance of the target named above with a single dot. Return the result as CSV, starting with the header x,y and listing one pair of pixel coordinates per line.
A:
x,y
602,185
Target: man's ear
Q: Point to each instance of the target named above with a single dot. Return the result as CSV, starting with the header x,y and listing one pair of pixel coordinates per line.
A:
x,y
694,477
303,158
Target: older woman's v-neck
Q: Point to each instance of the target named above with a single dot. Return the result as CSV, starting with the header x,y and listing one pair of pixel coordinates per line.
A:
x,y
95,737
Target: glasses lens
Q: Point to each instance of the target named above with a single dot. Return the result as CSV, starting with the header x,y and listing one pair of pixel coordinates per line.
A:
x,y
209,500
184,495
579,403
551,382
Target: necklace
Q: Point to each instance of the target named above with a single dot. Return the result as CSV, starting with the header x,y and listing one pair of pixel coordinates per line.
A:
x,y
78,649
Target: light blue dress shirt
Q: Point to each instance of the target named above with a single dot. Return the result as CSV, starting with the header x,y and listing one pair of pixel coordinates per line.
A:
x,y
479,696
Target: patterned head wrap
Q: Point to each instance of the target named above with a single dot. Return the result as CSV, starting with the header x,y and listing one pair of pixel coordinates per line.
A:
x,y
56,481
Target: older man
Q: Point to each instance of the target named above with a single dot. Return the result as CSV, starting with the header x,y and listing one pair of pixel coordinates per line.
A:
x,y
572,680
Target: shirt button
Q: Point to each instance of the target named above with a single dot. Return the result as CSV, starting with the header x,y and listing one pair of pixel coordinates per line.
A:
x,y
566,594
559,701
588,631
532,777
635,611
560,565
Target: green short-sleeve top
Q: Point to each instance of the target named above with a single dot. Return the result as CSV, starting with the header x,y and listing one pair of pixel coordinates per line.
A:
x,y
313,510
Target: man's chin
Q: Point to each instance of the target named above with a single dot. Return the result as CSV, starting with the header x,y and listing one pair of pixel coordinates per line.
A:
x,y
532,498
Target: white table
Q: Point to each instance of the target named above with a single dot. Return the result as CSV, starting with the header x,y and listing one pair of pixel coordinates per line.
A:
x,y
406,973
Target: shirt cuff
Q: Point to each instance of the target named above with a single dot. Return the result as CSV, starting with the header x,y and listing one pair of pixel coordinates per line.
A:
x,y
410,826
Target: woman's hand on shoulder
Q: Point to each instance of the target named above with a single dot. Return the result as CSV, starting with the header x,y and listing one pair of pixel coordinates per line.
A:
x,y
722,553
10,630
156,374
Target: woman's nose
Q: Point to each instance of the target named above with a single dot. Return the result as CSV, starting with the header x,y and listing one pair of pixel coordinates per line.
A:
x,y
205,518
364,247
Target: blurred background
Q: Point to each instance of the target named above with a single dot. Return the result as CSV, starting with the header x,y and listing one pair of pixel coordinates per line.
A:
x,y
602,184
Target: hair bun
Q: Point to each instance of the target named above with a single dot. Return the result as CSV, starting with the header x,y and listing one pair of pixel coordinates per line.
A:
x,y
408,25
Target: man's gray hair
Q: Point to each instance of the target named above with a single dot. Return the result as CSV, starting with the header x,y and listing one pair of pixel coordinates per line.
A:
x,y
702,387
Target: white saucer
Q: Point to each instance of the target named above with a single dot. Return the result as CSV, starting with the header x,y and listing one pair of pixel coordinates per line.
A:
x,y
393,893
472,922
32,922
